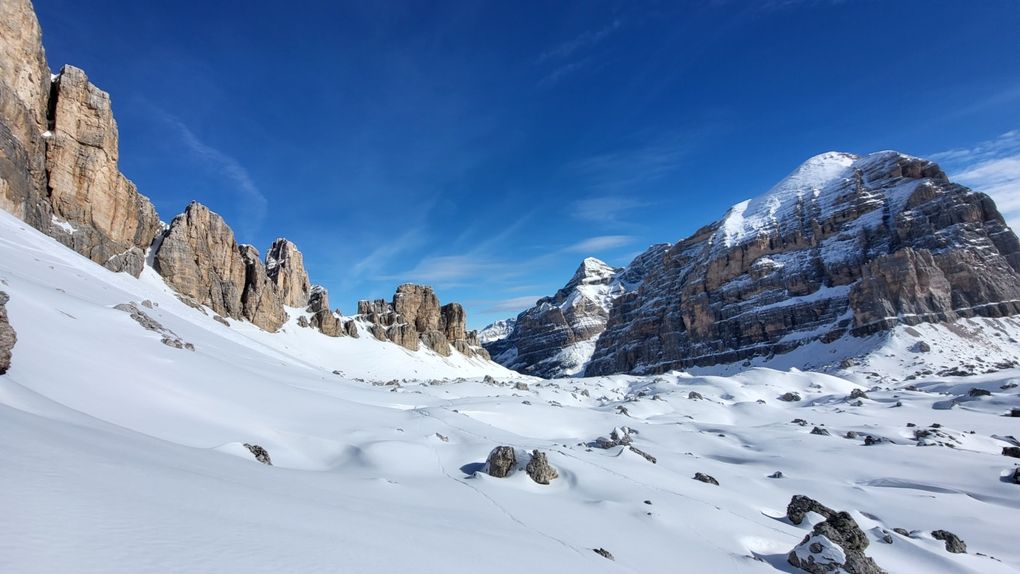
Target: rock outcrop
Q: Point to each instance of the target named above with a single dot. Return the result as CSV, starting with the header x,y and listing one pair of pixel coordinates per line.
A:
x,y
261,303
7,335
556,337
24,99
835,545
953,542
96,210
845,245
285,267
199,257
58,153
260,454
415,317
326,320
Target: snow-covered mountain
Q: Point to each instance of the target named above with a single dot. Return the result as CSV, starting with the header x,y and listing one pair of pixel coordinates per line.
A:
x,y
497,331
556,337
845,246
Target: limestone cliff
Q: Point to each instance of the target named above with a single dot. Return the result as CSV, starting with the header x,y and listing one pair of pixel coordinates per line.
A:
x,y
415,316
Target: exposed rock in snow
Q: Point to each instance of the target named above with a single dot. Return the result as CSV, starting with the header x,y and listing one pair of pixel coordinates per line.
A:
x,y
837,544
800,505
7,335
169,338
539,470
260,453
844,245
261,303
501,462
705,478
603,553
953,542
557,336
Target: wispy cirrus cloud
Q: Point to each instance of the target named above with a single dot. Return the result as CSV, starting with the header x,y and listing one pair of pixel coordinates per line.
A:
x,y
600,243
252,204
604,209
627,167
991,167
573,55
512,305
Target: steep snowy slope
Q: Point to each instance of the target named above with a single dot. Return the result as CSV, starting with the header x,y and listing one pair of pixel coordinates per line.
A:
x,y
124,454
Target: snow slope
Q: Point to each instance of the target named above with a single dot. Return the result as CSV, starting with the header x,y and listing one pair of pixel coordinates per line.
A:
x,y
121,454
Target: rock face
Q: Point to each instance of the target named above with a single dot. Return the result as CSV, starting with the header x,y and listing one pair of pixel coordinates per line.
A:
x,y
7,336
58,166
24,100
96,210
845,245
199,257
326,320
261,303
285,267
415,316
557,336
835,545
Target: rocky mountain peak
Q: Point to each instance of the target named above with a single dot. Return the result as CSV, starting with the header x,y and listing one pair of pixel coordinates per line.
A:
x,y
285,267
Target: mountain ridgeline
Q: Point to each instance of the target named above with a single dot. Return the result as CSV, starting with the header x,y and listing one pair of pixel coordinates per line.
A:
x,y
845,246
59,173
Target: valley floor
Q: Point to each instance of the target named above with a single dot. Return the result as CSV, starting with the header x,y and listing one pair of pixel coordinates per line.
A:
x,y
122,454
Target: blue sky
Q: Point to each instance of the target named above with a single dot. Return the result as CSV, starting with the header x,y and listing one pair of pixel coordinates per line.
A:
x,y
486,148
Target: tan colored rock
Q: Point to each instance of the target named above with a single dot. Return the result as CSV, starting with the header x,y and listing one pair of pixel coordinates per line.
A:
x,y
111,222
415,316
24,94
199,257
286,269
7,335
260,302
323,317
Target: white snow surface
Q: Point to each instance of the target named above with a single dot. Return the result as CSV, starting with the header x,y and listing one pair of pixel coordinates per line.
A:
x,y
121,454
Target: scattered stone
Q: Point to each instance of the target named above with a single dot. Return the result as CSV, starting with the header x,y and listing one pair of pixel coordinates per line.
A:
x,y
302,321
705,478
443,437
618,436
1013,451
695,396
169,338
646,456
976,392
800,505
777,474
622,410
521,386
820,431
260,453
539,469
649,502
887,538
7,335
858,394
1014,413
220,319
902,532
850,434
953,542
501,462
790,397
148,304
921,347
603,553
1007,386
872,440
800,422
